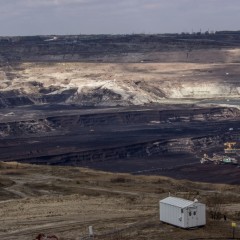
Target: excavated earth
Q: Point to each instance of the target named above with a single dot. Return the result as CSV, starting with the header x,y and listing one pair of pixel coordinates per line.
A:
x,y
141,104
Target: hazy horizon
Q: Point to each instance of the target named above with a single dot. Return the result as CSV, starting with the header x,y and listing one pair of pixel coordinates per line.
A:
x,y
73,17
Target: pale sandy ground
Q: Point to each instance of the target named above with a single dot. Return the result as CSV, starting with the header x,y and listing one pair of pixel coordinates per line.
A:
x,y
137,83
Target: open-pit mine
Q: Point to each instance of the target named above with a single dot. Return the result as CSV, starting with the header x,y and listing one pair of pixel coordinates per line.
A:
x,y
84,121
142,104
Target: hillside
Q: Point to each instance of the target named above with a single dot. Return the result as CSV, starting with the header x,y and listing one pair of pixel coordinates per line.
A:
x,y
64,201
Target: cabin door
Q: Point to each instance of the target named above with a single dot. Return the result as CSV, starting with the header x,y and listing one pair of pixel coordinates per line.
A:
x,y
192,217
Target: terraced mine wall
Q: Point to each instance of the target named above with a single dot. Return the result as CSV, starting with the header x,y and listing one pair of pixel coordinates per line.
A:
x,y
84,139
123,150
140,150
70,122
158,147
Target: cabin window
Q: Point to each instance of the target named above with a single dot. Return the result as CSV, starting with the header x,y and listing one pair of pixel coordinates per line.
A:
x,y
194,213
190,214
181,210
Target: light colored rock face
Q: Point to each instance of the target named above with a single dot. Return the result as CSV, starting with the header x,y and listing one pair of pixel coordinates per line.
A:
x,y
123,83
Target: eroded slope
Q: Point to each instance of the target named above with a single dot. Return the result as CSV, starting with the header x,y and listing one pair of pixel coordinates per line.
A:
x,y
95,84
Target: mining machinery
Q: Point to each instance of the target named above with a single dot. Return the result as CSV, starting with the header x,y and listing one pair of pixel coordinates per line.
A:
x,y
218,159
230,147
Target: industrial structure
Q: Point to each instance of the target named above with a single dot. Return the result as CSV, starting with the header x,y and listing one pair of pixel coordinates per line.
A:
x,y
218,159
231,151
231,147
182,213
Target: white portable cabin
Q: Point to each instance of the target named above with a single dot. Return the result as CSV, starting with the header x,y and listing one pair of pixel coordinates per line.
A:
x,y
182,213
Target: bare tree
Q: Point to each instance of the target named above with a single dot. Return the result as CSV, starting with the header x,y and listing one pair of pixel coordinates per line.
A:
x,y
215,206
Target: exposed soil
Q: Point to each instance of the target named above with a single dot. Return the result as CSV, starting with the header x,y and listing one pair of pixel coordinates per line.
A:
x,y
124,113
137,104
66,200
153,140
117,84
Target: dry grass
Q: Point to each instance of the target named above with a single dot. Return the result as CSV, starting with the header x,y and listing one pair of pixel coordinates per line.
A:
x,y
66,200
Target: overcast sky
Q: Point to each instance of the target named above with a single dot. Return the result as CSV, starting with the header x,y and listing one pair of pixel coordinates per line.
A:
x,y
41,17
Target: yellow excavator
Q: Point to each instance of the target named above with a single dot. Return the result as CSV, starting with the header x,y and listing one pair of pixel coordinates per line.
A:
x,y
229,147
